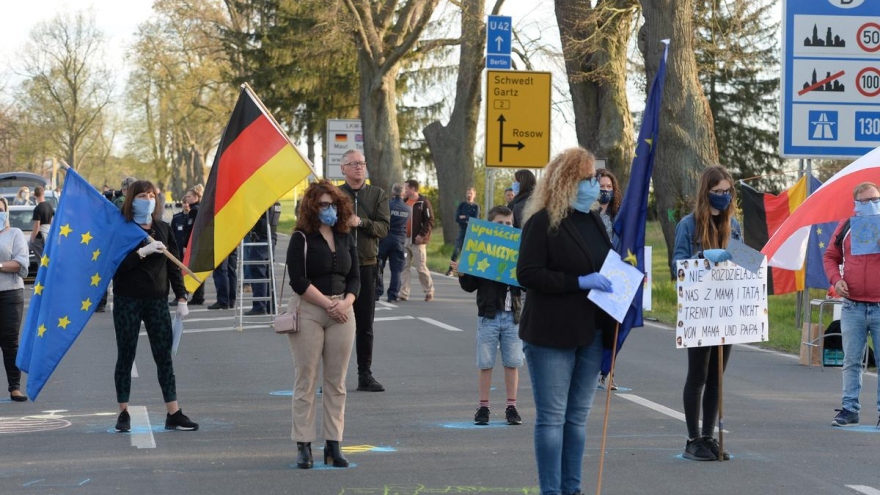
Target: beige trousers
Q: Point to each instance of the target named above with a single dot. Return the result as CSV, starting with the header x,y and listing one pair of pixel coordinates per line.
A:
x,y
416,254
320,338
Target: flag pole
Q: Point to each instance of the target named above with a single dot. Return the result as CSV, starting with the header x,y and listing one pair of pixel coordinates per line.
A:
x,y
607,408
720,402
168,255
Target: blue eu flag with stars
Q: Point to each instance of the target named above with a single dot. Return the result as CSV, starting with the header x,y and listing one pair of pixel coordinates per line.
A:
x,y
88,239
820,237
633,215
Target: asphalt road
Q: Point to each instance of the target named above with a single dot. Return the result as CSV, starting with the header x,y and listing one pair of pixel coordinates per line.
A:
x,y
418,437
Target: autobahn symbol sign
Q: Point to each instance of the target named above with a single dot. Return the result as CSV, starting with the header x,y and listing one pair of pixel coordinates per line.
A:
x,y
517,118
830,79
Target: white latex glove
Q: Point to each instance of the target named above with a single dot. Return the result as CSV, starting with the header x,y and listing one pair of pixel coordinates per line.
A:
x,y
182,310
153,247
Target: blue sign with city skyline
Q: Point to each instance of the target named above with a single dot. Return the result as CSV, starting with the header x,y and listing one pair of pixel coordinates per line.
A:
x,y
830,87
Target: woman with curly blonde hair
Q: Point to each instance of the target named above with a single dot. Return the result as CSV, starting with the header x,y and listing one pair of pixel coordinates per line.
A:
x,y
564,244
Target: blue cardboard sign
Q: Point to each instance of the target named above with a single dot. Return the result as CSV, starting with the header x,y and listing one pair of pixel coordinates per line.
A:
x,y
490,251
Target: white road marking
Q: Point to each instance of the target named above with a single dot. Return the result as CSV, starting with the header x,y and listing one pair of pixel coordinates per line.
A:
x,y
394,318
441,324
220,329
672,413
867,490
386,304
141,431
383,309
134,369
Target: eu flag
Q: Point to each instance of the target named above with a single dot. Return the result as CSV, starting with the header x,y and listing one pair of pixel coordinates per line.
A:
x,y
633,215
88,239
820,236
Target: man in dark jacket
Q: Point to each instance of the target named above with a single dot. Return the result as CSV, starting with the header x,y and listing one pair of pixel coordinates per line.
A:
x,y
421,225
392,247
466,210
371,222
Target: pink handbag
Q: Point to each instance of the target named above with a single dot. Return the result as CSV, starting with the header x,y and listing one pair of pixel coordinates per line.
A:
x,y
288,321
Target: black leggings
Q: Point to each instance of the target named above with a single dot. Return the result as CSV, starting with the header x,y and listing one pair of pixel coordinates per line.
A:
x,y
702,380
128,313
364,311
11,308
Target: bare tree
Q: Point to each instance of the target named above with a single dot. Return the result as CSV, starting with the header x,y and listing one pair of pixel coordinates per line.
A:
x,y
385,32
452,146
686,139
67,86
594,41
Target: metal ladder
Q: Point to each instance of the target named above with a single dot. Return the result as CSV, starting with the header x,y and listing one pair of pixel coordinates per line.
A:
x,y
245,299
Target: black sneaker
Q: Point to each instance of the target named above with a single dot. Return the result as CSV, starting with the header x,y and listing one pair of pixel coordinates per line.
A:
x,y
178,421
101,308
697,450
716,448
512,416
482,416
123,423
366,383
217,305
845,417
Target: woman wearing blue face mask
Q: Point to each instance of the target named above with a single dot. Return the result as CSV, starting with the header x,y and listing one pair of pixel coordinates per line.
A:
x,y
140,294
705,233
522,188
563,247
322,262
13,268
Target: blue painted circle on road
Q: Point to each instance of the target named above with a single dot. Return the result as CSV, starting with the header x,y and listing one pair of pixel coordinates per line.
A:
x,y
320,466
469,425
859,429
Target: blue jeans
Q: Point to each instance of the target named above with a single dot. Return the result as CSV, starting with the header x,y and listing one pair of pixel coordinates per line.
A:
x,y
391,250
258,271
563,383
492,332
856,321
459,242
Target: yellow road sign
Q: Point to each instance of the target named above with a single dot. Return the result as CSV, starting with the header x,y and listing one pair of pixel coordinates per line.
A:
x,y
517,119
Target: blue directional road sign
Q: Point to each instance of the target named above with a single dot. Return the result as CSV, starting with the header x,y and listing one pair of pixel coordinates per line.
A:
x,y
830,88
498,41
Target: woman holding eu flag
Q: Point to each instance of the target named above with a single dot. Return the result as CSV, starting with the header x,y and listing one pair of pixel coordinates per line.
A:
x,y
564,244
13,268
705,234
140,294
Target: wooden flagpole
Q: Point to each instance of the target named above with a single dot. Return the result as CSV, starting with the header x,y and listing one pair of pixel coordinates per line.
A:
x,y
607,408
720,402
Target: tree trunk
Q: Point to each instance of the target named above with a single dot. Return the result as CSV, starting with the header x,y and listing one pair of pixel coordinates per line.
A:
x,y
594,42
452,146
686,138
378,108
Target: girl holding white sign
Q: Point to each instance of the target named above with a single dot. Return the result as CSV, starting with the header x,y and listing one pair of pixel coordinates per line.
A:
x,y
705,234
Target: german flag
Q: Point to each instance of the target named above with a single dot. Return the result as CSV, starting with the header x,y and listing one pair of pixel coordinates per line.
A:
x,y
763,213
254,166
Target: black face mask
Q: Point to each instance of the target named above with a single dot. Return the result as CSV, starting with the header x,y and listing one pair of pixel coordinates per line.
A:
x,y
605,197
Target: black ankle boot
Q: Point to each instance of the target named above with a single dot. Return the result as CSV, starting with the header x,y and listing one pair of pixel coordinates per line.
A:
x,y
304,455
332,451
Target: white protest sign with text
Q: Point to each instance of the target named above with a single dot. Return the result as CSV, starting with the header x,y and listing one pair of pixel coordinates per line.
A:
x,y
720,303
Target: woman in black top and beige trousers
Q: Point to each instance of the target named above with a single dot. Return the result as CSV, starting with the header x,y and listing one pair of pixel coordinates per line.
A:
x,y
326,281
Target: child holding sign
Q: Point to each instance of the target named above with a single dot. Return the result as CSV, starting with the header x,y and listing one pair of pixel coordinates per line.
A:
x,y
705,234
498,307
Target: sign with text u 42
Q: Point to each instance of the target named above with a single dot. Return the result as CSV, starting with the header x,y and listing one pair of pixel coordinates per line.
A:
x,y
830,78
498,42
517,118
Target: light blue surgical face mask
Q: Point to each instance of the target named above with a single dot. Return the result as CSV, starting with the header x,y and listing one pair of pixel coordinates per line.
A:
x,y
515,188
327,215
142,210
3,216
588,191
867,209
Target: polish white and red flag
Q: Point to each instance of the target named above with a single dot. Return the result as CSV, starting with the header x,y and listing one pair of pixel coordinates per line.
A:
x,y
833,201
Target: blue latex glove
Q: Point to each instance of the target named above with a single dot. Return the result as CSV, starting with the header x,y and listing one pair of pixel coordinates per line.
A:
x,y
595,281
717,255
